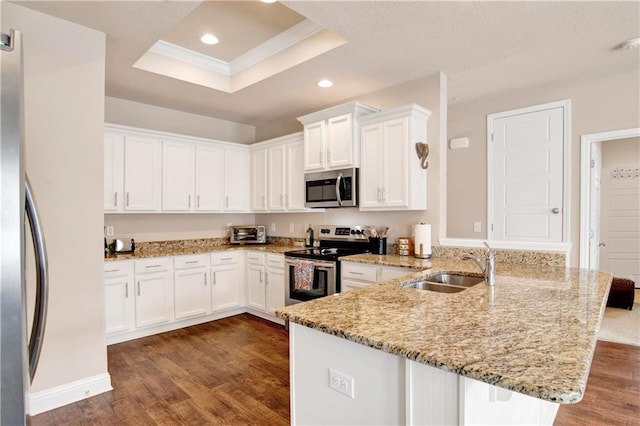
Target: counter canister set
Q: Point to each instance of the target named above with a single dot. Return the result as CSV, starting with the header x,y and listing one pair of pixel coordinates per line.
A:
x,y
418,246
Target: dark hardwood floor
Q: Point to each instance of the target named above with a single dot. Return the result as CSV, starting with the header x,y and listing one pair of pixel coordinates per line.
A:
x,y
236,371
231,371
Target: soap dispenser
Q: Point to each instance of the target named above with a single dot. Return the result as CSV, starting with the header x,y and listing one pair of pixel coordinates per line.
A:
x,y
308,240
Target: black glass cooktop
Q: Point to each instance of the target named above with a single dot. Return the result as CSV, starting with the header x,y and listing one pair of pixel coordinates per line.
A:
x,y
327,253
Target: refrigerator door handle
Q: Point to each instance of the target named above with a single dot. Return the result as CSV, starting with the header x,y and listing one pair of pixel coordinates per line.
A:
x,y
42,282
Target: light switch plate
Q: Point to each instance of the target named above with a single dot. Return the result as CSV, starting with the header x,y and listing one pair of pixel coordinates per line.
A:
x,y
477,226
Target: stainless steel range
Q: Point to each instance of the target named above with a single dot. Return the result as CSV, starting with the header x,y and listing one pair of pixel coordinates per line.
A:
x,y
315,271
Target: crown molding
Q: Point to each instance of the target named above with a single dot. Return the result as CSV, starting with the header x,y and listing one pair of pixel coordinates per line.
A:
x,y
179,53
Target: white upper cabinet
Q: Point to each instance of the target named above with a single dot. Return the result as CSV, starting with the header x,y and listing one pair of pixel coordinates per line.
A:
x,y
278,174
209,177
113,171
259,179
331,137
178,176
391,177
142,173
147,171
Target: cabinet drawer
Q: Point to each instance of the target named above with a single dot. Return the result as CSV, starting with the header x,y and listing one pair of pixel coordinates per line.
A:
x,y
275,261
387,273
114,269
191,261
359,271
154,264
225,257
255,258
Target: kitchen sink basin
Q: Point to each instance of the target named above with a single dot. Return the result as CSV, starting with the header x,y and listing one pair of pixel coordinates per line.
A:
x,y
440,288
446,283
455,279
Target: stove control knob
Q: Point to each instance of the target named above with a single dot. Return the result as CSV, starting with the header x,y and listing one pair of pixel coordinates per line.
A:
x,y
353,231
325,231
358,232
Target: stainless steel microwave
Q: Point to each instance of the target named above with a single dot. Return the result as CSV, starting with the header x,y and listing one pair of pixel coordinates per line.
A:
x,y
248,234
333,188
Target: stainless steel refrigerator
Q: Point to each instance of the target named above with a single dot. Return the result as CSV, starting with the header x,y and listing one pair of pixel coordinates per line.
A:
x,y
19,353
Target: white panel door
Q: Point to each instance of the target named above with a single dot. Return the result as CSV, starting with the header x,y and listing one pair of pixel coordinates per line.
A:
x,y
178,176
528,176
256,287
274,290
395,188
295,176
192,293
153,299
314,146
371,166
113,171
209,177
259,179
142,173
118,293
340,142
276,180
236,182
227,286
595,188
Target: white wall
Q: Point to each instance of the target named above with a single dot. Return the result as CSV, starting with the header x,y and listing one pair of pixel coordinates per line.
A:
x,y
599,104
129,113
64,114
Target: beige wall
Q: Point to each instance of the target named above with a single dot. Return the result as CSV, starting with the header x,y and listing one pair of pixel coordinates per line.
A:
x,y
605,103
64,111
129,113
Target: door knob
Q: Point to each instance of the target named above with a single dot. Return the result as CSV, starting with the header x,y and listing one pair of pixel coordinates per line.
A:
x,y
602,244
555,210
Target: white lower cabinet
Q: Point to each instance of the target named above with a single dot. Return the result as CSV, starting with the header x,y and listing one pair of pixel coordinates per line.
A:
x,y
274,293
191,288
153,297
357,275
227,280
119,299
256,297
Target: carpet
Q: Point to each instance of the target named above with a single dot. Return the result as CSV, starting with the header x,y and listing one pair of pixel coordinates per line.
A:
x,y
622,325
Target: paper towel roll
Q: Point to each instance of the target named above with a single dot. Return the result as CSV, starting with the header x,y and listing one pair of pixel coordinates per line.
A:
x,y
422,240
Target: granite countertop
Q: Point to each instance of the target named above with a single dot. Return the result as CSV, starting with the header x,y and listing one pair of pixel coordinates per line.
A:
x,y
177,250
535,333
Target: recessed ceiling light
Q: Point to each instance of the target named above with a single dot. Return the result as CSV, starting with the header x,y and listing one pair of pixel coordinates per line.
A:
x,y
209,39
268,1
325,83
632,43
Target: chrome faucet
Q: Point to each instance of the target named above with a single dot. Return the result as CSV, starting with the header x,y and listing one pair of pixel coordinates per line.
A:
x,y
488,268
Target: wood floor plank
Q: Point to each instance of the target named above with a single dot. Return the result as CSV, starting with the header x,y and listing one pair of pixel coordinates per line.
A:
x,y
235,371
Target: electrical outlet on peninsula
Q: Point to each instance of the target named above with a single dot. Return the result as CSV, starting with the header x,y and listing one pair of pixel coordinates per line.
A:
x,y
342,383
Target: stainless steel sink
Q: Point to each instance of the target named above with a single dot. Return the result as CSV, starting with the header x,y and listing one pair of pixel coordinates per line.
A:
x,y
455,279
446,283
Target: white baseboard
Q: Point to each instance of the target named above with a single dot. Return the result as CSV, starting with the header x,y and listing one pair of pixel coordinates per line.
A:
x,y
55,397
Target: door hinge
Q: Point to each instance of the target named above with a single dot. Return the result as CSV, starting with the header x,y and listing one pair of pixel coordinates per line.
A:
x,y
491,137
492,227
593,163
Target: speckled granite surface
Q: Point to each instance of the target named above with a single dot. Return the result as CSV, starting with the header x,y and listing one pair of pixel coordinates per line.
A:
x,y
535,333
204,245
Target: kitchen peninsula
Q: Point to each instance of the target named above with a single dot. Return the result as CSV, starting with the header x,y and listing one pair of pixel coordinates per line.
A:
x,y
398,355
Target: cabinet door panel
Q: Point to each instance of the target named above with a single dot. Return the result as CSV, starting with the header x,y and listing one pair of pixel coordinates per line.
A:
x,y
153,299
236,180
395,192
142,173
209,177
259,172
178,176
371,170
274,290
255,287
113,171
227,286
314,146
295,176
192,293
276,194
340,142
118,304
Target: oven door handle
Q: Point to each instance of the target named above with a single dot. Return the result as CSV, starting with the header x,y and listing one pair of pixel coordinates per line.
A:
x,y
338,184
317,264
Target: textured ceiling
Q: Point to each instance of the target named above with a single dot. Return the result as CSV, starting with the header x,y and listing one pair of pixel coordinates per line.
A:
x,y
484,47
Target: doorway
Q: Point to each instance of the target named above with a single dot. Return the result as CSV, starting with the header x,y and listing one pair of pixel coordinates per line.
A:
x,y
619,204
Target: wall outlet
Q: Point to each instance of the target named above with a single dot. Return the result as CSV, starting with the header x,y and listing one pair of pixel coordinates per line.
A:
x,y
291,228
477,226
110,231
342,383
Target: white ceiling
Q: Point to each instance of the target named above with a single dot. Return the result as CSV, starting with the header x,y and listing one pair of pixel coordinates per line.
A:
x,y
484,47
